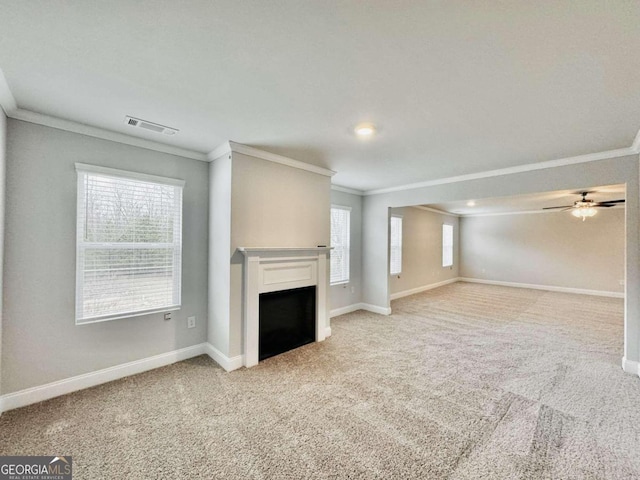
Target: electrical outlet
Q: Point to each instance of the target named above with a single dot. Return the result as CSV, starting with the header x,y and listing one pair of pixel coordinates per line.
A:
x,y
167,316
353,289
191,322
621,282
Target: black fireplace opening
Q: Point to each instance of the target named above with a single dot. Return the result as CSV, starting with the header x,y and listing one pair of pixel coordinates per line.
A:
x,y
287,320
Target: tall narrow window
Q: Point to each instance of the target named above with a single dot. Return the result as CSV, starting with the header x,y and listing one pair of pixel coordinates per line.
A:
x,y
447,245
341,243
129,244
395,259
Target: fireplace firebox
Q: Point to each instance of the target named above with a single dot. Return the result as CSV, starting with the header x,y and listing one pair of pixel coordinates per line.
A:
x,y
287,320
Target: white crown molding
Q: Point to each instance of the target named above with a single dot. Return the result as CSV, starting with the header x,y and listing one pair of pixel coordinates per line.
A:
x,y
590,157
527,212
220,151
70,126
352,191
435,210
499,214
635,146
10,107
230,146
272,157
7,100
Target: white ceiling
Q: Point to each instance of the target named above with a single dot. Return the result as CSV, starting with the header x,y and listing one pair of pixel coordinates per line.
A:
x,y
530,202
456,87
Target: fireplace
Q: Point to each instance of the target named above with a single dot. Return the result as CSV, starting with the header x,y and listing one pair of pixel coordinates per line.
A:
x,y
292,284
287,320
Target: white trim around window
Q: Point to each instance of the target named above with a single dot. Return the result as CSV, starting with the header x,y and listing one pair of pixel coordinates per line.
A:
x,y
114,172
340,244
128,244
395,245
447,245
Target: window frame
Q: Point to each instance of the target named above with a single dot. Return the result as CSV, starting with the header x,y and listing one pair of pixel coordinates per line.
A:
x,y
343,281
391,246
83,170
444,245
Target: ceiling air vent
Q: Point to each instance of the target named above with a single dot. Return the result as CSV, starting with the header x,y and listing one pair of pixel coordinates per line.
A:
x,y
153,127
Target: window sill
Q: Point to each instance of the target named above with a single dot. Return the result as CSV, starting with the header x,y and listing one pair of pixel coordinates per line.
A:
x,y
345,282
126,315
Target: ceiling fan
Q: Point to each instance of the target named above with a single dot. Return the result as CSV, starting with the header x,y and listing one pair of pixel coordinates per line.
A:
x,y
586,208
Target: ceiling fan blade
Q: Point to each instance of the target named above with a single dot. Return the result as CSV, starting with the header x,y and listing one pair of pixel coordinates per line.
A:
x,y
603,205
611,201
563,206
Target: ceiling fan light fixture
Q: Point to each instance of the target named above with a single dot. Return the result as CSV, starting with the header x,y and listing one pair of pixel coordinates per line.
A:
x,y
583,212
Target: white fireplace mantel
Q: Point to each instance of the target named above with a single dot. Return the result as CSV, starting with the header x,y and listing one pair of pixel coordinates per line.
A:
x,y
274,269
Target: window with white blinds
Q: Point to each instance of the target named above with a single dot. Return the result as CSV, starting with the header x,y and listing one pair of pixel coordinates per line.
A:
x,y
129,244
341,243
447,245
395,258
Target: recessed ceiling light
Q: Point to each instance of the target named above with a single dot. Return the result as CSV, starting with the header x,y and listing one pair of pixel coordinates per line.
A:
x,y
471,203
365,130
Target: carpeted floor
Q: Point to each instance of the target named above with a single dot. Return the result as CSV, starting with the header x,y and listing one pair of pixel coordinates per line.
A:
x,y
466,381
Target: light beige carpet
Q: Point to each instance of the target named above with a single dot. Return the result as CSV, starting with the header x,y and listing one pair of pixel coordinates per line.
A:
x,y
466,381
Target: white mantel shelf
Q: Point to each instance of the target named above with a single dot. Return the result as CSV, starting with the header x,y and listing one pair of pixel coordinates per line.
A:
x,y
271,269
249,251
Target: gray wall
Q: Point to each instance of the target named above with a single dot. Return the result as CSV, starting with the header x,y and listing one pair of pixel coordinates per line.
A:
x,y
571,177
422,249
3,166
551,249
41,342
272,205
350,293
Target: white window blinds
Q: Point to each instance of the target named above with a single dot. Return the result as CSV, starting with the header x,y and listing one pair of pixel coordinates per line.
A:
x,y
447,245
395,259
340,241
129,244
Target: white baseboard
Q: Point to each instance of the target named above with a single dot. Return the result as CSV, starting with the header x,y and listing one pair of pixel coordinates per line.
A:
x,y
336,312
550,288
327,332
228,363
630,366
359,306
424,288
68,385
375,309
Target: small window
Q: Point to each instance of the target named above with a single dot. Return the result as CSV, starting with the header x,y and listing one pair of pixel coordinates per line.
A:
x,y
129,244
340,241
395,258
447,245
